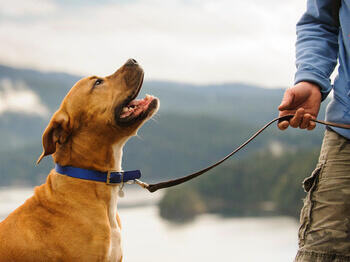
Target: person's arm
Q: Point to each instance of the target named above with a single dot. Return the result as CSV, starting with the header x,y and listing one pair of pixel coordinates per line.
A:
x,y
316,58
317,45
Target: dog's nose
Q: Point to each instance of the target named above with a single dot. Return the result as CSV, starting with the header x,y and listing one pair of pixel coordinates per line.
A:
x,y
131,62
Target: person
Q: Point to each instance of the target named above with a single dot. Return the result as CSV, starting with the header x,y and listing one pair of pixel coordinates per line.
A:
x,y
324,233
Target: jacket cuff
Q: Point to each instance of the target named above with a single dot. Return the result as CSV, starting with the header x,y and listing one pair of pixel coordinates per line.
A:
x,y
323,83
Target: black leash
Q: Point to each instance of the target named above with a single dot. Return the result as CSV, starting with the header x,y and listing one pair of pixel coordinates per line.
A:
x,y
154,187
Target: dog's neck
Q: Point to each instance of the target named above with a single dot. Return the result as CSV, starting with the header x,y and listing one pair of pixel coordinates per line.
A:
x,y
102,154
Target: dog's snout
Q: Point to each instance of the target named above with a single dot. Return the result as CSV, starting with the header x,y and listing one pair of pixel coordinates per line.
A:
x,y
131,62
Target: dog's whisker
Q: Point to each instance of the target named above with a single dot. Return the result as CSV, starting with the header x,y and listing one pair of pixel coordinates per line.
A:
x,y
139,137
155,120
155,116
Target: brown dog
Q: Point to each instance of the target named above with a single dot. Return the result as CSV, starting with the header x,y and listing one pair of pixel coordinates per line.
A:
x,y
71,219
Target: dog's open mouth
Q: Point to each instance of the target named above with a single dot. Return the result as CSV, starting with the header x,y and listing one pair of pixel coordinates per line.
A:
x,y
136,107
134,110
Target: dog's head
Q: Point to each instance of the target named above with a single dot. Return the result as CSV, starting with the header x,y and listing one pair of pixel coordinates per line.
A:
x,y
97,113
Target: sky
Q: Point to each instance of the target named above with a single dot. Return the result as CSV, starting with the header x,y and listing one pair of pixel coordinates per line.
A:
x,y
191,41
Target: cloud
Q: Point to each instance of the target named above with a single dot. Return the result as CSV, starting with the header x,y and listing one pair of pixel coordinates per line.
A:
x,y
16,97
20,8
187,41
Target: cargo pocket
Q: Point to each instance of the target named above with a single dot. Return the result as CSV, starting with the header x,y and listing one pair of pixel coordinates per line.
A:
x,y
310,182
309,185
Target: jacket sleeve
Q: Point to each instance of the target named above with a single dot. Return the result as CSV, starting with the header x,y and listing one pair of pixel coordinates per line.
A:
x,y
317,45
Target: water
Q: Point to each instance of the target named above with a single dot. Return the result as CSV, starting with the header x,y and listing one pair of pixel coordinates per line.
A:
x,y
148,238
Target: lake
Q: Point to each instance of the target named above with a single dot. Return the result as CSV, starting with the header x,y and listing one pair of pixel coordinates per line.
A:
x,y
148,238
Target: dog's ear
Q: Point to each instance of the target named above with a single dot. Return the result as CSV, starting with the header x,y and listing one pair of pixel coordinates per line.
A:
x,y
57,131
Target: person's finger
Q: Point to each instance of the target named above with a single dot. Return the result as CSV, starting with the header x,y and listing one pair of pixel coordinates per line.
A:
x,y
286,101
283,125
311,126
305,122
298,118
286,112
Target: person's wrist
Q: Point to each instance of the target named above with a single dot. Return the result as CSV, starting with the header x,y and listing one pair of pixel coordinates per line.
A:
x,y
313,87
313,90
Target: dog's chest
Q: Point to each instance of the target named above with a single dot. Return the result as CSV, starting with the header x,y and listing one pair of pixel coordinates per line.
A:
x,y
115,249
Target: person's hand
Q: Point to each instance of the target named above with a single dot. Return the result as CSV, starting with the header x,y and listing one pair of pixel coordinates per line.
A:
x,y
303,100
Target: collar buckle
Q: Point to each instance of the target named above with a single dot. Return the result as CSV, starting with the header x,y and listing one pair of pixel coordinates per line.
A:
x,y
108,180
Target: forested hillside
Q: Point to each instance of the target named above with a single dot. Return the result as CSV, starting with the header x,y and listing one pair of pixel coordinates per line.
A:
x,y
259,185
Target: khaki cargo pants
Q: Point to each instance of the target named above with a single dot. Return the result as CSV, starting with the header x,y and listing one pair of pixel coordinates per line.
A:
x,y
324,234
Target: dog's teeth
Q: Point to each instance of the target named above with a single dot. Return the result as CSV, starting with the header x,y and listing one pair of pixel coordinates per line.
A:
x,y
148,97
125,109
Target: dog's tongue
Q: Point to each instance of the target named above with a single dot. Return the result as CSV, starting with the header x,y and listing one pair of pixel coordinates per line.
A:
x,y
136,107
138,102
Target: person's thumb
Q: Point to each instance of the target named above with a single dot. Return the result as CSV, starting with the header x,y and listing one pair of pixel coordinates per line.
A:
x,y
286,101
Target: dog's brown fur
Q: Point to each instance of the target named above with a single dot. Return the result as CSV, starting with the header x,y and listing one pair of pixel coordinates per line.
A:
x,y
69,219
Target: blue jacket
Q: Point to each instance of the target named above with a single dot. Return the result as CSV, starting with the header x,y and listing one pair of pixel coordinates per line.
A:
x,y
319,43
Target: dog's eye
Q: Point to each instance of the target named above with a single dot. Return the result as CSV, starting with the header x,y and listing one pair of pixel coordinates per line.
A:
x,y
98,82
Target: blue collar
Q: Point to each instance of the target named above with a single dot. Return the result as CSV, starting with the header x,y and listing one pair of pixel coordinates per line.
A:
x,y
107,177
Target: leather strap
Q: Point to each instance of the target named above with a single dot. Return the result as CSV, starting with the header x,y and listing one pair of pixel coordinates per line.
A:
x,y
154,187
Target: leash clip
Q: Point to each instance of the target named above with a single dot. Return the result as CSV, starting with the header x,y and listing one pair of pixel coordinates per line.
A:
x,y
141,184
121,185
